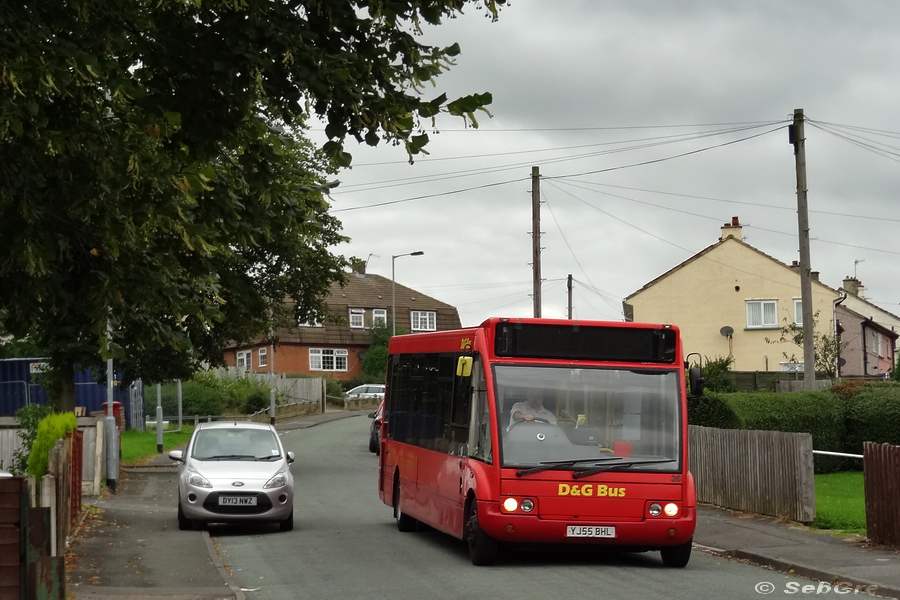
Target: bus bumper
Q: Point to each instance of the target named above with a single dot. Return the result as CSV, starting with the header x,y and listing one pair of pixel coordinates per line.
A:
x,y
646,534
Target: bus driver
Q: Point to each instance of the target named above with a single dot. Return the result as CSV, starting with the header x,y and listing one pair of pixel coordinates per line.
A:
x,y
531,408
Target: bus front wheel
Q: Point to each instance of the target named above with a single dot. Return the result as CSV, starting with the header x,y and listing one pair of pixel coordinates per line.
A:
x,y
677,556
482,547
404,521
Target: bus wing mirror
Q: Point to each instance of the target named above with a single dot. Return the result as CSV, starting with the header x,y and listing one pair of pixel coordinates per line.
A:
x,y
695,377
464,366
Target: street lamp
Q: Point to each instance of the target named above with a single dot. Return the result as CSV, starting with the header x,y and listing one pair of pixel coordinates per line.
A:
x,y
394,289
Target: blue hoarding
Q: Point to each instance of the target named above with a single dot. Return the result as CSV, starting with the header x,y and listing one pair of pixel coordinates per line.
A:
x,y
20,385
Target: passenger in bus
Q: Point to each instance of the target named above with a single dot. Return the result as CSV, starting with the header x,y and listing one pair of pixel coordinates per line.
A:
x,y
531,408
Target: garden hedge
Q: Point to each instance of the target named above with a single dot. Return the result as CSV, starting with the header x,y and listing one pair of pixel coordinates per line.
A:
x,y
53,427
839,419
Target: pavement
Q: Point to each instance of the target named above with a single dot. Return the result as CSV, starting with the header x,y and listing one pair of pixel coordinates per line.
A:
x,y
124,548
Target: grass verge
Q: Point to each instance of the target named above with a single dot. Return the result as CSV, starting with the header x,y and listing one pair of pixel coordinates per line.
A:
x,y
841,502
139,446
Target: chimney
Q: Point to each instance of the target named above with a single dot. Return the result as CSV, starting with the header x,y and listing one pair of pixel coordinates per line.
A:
x,y
359,268
851,285
732,229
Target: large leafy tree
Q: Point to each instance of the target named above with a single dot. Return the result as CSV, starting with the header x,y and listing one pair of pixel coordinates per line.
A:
x,y
154,179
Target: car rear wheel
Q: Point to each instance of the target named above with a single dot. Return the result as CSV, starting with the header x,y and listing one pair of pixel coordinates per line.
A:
x,y
288,523
184,523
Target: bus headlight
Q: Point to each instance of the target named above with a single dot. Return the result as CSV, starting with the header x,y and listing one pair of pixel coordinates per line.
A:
x,y
654,509
527,505
671,510
510,505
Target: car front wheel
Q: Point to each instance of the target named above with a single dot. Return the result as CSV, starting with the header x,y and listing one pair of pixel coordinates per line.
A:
x,y
184,523
288,523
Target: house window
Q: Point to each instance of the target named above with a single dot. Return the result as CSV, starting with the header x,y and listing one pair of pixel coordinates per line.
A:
x,y
762,314
423,320
798,312
379,315
877,342
244,359
311,322
327,359
357,318
263,357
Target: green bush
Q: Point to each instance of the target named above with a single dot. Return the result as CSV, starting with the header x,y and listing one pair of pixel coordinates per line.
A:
x,y
335,390
235,392
29,417
817,413
53,427
200,399
872,415
206,394
256,401
712,410
716,375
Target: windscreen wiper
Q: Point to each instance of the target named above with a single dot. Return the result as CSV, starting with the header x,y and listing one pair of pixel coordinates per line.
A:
x,y
268,457
230,457
626,464
553,464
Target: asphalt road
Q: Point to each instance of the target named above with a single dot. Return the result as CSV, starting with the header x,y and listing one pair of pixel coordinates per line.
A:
x,y
345,545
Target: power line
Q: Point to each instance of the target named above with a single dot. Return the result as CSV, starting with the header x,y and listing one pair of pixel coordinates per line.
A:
x,y
642,163
658,140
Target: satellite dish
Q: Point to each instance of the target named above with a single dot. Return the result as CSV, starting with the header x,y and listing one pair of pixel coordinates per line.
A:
x,y
727,331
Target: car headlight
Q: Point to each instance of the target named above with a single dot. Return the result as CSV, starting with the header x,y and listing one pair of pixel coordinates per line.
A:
x,y
279,480
198,480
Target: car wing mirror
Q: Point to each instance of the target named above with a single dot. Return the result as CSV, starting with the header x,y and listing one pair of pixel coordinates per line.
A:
x,y
290,457
176,455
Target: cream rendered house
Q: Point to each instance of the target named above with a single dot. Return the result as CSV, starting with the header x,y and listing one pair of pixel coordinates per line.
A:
x,y
729,299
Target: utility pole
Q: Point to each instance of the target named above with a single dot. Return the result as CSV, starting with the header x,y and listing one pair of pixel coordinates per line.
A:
x,y
111,435
798,139
569,287
536,238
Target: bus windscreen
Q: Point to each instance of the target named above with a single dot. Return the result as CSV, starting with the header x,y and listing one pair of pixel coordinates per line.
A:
x,y
579,342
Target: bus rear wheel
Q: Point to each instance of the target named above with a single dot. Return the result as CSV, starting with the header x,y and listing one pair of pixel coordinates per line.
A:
x,y
482,547
677,556
404,521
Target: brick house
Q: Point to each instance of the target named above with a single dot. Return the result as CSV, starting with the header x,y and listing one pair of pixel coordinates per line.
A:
x,y
335,348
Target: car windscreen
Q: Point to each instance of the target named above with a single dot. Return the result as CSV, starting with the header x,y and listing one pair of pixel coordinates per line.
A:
x,y
235,443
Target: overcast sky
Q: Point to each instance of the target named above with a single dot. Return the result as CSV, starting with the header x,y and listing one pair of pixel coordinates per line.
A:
x,y
652,123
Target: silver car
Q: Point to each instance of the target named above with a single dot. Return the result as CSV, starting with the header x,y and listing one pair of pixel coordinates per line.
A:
x,y
369,390
234,472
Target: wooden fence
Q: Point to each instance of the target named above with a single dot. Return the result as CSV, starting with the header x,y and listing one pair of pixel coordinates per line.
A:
x,y
764,472
291,390
881,474
92,461
33,538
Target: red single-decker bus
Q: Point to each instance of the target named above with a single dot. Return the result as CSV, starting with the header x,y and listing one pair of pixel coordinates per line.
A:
x,y
541,431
